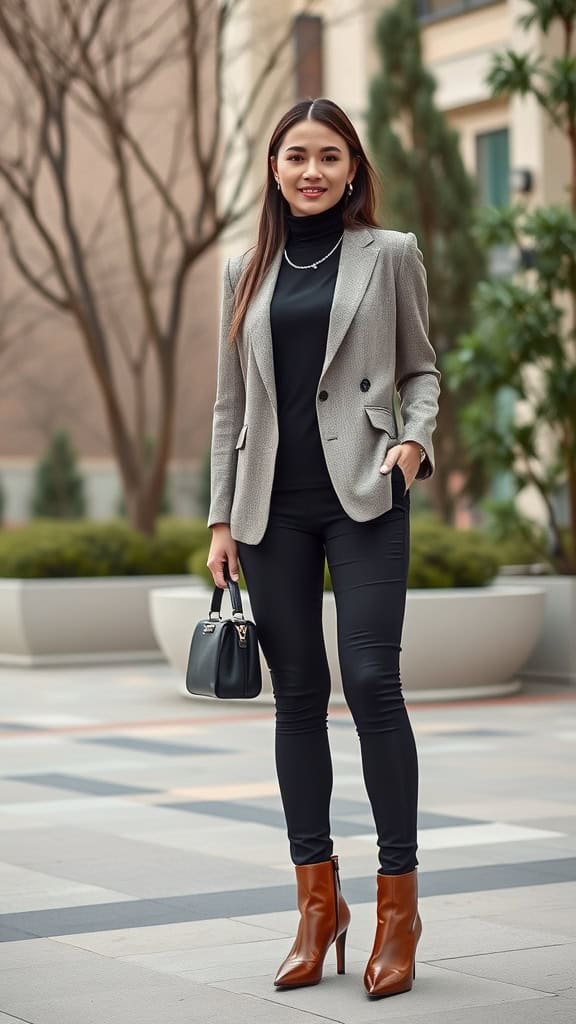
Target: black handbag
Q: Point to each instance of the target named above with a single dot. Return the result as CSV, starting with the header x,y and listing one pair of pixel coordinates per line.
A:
x,y
224,660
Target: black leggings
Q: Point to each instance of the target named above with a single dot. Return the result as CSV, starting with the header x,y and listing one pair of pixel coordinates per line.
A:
x,y
368,564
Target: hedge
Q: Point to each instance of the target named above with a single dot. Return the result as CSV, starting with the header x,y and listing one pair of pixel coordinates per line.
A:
x,y
440,556
50,549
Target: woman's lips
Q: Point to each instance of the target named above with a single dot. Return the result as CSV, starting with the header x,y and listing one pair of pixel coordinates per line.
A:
x,y
313,193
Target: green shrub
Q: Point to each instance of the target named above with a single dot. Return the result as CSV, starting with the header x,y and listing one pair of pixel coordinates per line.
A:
x,y
440,556
175,540
197,566
58,486
520,540
2,502
49,549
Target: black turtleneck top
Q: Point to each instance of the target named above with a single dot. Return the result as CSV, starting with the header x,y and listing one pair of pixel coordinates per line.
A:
x,y
299,316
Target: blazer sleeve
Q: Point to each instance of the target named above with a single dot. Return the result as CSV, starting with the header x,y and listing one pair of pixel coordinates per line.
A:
x,y
417,377
228,416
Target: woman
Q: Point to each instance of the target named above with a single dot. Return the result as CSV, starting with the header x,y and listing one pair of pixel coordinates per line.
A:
x,y
323,323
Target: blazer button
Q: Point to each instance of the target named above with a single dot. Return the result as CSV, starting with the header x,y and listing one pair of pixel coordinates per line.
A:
x,y
365,384
323,396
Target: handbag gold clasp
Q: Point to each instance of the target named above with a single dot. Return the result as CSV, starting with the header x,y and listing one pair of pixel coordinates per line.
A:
x,y
242,630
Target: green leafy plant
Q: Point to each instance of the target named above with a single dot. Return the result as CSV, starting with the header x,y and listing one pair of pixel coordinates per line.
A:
x,y
524,337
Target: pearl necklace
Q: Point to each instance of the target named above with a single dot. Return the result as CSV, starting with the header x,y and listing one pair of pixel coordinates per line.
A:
x,y
313,266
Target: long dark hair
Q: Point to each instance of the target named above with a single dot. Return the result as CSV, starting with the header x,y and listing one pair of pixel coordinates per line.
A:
x,y
359,210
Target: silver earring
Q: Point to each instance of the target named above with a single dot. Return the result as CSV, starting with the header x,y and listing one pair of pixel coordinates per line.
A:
x,y
350,188
278,184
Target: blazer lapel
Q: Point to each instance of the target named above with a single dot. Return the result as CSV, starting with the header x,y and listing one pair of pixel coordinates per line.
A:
x,y
357,259
259,329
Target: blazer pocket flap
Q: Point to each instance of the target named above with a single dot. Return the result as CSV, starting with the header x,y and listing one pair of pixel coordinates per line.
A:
x,y
382,419
242,437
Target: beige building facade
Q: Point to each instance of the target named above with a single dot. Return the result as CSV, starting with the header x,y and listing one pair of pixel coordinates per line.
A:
x,y
459,40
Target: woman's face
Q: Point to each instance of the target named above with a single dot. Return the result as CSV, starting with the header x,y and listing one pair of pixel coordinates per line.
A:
x,y
313,167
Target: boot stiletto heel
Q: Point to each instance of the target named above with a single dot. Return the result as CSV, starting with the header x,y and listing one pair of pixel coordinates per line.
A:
x,y
341,953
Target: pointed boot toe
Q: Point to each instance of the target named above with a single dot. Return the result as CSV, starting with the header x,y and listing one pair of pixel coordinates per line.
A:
x,y
391,967
324,919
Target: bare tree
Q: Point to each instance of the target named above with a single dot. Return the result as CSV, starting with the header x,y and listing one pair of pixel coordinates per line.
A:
x,y
97,67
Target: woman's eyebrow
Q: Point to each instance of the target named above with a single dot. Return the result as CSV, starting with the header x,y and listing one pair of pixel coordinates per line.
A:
x,y
324,149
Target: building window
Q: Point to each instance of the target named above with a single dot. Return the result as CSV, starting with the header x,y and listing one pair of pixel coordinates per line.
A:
x,y
493,177
431,10
309,72
493,168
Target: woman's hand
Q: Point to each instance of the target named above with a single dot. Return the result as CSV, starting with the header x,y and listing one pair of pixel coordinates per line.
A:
x,y
223,550
407,456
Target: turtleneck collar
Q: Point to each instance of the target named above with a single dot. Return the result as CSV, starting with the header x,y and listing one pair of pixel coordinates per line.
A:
x,y
316,226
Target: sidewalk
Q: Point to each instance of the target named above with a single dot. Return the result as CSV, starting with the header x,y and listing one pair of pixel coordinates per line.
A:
x,y
144,876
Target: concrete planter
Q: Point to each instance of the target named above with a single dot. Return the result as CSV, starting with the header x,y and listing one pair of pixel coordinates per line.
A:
x,y
69,621
553,659
457,643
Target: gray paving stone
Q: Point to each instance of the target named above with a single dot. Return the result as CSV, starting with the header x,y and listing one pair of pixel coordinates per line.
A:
x,y
175,936
180,1001
75,920
6,1019
475,937
165,748
35,953
560,921
254,814
550,968
106,996
19,727
343,998
549,1010
98,787
59,894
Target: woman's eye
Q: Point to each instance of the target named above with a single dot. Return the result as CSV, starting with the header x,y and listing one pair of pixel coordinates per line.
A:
x,y
330,157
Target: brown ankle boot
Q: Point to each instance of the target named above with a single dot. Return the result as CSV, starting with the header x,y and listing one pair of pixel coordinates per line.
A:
x,y
391,966
324,919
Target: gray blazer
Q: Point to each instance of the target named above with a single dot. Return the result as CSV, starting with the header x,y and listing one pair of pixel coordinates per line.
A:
x,y
377,334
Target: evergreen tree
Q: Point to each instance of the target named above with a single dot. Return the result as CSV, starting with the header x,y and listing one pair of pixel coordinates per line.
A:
x,y
59,488
428,191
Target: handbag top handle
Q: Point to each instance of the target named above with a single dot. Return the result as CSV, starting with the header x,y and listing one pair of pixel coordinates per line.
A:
x,y
235,598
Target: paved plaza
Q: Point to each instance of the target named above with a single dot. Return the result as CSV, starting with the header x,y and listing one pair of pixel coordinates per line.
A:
x,y
144,875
